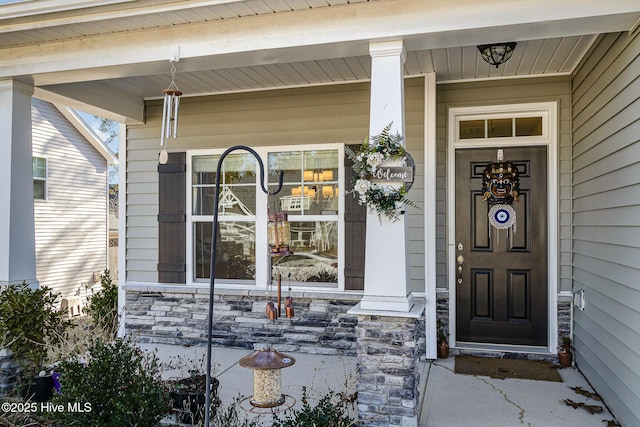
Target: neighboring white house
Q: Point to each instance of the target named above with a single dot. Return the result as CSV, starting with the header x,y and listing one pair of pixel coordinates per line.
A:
x,y
299,80
70,201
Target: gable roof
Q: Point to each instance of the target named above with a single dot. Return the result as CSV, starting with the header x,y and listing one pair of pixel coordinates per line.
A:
x,y
90,135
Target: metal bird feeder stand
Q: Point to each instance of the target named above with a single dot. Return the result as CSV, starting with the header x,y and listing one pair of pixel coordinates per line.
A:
x,y
214,245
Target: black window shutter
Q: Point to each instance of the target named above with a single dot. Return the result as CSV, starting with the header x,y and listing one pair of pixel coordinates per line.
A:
x,y
172,233
355,224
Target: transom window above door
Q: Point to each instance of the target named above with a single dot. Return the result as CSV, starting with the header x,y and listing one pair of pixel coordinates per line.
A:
x,y
500,127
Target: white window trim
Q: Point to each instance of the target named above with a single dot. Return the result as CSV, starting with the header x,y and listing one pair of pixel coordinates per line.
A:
x,y
45,179
550,139
263,276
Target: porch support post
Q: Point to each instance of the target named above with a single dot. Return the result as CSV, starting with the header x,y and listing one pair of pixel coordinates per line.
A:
x,y
430,213
388,319
17,229
386,268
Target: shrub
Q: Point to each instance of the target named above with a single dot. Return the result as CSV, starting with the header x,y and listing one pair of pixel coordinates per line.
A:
x,y
332,410
233,415
103,305
29,322
121,385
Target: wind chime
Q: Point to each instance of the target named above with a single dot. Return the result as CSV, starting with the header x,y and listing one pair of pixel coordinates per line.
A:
x,y
267,363
169,114
279,236
500,188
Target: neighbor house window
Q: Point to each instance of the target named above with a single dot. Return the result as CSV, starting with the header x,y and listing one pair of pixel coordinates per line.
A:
x,y
39,178
310,196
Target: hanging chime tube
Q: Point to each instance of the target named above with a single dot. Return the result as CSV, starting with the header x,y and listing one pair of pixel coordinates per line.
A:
x,y
279,295
176,101
288,306
169,101
165,106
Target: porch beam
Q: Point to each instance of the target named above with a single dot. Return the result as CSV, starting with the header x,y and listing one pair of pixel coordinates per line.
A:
x,y
17,226
96,98
320,33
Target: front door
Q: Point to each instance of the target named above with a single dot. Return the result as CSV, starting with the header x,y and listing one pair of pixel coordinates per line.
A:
x,y
501,291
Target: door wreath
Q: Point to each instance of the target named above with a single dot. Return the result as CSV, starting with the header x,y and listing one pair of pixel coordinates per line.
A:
x,y
371,165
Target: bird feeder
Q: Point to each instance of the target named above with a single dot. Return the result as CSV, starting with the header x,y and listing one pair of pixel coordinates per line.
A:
x,y
267,367
279,234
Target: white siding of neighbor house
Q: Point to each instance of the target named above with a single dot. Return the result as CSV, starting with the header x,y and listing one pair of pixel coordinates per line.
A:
x,y
606,220
316,115
71,224
503,92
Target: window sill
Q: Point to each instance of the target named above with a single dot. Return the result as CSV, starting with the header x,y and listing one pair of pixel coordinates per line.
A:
x,y
246,290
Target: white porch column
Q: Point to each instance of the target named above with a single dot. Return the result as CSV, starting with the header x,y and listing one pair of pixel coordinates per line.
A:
x,y
17,230
386,267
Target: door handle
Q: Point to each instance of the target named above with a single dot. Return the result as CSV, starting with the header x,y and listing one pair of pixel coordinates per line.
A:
x,y
460,261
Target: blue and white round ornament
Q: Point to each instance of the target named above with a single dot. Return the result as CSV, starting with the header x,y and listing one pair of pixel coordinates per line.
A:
x,y
502,216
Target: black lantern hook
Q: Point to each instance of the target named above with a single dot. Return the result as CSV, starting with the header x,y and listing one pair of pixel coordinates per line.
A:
x,y
214,247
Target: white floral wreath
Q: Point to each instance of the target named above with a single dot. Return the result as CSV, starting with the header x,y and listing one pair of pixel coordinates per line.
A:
x,y
380,199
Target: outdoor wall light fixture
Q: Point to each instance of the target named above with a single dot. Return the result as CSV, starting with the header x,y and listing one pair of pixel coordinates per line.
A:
x,y
497,53
170,113
214,248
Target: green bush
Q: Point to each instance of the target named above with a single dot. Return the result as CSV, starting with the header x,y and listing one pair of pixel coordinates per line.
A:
x,y
30,322
119,384
103,305
233,416
332,410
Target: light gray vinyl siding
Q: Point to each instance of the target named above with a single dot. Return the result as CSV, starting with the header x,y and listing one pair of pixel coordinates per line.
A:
x,y
317,115
499,92
71,224
606,221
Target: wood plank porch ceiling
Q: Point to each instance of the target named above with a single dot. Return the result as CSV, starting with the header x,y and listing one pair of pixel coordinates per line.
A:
x,y
533,57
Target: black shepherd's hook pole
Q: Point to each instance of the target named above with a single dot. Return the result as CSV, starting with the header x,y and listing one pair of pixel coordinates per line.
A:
x,y
214,247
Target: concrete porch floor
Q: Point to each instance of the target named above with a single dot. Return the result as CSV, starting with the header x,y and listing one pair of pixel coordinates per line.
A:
x,y
447,399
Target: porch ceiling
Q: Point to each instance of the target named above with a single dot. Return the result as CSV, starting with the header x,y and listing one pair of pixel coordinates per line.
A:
x,y
531,58
107,56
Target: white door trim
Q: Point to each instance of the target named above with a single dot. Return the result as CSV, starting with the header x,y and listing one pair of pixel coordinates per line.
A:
x,y
549,138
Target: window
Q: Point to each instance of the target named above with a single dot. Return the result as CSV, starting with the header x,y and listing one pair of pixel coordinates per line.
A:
x,y
310,195
39,178
500,127
236,215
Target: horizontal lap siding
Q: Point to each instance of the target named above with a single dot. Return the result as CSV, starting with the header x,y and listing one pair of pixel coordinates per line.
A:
x,y
71,225
507,92
318,115
414,124
606,205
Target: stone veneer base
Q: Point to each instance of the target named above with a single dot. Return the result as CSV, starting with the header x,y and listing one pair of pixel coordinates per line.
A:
x,y
388,372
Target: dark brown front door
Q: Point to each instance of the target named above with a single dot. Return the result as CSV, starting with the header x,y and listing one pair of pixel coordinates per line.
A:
x,y
502,297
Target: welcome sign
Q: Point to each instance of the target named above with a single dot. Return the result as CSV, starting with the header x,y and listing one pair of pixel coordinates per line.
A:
x,y
396,173
392,174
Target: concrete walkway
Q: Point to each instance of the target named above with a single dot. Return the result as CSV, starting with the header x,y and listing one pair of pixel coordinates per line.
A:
x,y
453,400
447,399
